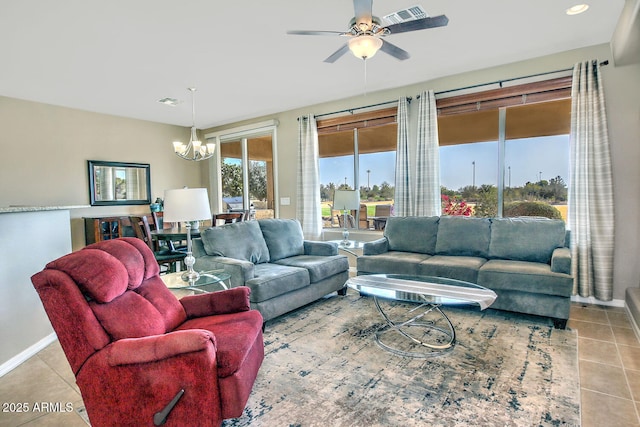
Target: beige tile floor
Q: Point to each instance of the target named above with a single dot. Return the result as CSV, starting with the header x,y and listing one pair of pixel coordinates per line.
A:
x,y
609,360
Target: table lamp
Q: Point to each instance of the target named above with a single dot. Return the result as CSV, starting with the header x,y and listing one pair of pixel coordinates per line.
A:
x,y
346,200
186,205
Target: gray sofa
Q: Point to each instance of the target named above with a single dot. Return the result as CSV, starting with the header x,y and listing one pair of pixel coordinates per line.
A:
x,y
524,260
271,257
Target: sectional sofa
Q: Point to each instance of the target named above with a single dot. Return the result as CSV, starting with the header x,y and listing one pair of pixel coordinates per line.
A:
x,y
525,260
271,257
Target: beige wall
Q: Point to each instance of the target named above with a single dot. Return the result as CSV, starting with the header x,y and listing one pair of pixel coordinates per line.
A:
x,y
622,90
45,151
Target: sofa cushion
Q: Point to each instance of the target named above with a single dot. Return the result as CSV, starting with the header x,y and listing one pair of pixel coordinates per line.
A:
x,y
463,236
526,238
283,237
319,267
272,280
532,277
240,240
453,267
412,234
391,263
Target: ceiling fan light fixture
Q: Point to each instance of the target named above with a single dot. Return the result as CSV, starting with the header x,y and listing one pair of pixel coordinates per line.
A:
x,y
365,46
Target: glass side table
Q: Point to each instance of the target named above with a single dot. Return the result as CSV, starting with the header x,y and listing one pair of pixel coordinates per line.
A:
x,y
349,246
207,282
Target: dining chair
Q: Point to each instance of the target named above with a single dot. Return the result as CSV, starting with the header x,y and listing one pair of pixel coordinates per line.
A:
x,y
164,256
227,217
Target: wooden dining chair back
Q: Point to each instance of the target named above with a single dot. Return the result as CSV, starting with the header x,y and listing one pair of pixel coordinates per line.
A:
x,y
383,210
166,257
227,217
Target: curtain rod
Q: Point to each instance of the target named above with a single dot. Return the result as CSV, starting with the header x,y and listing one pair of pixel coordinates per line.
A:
x,y
500,82
351,110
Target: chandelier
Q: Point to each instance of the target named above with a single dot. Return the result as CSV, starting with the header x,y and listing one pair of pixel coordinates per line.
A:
x,y
194,150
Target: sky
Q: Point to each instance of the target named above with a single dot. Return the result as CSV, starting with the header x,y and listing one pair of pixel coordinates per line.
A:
x,y
529,160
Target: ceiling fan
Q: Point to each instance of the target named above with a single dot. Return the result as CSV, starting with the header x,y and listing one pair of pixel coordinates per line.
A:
x,y
366,31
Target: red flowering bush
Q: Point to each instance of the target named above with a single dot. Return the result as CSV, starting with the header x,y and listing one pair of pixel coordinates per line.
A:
x,y
455,206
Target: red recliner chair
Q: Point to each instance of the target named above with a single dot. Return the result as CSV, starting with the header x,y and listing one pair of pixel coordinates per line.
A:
x,y
140,356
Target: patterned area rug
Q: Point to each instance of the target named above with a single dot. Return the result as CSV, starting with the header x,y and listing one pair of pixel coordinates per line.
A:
x,y
322,367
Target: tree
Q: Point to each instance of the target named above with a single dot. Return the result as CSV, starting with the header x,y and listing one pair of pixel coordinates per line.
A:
x,y
231,180
257,180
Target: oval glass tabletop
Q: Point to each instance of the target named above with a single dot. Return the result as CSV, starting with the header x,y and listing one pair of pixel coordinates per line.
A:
x,y
429,289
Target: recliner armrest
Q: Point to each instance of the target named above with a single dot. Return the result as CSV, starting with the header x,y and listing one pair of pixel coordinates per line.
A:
x,y
561,261
313,247
222,302
157,347
376,247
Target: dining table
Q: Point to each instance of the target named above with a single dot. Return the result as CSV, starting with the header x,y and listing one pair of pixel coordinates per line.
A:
x,y
173,236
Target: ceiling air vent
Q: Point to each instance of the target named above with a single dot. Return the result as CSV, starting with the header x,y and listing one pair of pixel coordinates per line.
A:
x,y
410,14
169,101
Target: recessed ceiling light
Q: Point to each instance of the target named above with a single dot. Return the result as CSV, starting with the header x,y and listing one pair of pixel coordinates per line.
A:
x,y
579,8
169,101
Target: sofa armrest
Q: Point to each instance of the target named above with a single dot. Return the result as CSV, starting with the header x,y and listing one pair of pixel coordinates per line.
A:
x,y
561,261
240,270
221,302
312,247
376,247
158,347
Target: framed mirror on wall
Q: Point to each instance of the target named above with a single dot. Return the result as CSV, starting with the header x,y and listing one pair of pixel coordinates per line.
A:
x,y
119,183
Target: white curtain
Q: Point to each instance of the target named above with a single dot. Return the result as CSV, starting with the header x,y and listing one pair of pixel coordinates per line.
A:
x,y
591,206
402,198
428,158
309,210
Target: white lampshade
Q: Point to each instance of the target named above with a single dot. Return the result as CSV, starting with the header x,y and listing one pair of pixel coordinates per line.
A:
x,y
364,47
346,200
186,204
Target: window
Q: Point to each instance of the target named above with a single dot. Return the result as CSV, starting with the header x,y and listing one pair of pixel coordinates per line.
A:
x,y
243,173
247,170
505,152
357,151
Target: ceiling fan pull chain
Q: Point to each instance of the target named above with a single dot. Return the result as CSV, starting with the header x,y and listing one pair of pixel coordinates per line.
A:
x,y
365,76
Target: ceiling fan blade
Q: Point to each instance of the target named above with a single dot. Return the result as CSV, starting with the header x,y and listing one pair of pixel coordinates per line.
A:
x,y
363,10
418,24
337,54
394,51
315,33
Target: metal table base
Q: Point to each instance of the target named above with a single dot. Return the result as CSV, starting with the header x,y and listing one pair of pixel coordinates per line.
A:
x,y
434,348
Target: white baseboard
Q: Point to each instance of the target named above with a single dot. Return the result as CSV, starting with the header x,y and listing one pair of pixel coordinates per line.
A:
x,y
21,357
592,300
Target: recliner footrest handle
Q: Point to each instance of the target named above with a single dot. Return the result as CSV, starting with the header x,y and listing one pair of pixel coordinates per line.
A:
x,y
161,417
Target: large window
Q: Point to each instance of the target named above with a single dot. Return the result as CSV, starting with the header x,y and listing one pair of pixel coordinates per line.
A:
x,y
243,174
247,175
506,152
358,152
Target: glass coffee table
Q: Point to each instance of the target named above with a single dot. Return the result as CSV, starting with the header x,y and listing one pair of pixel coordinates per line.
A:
x,y
208,281
424,329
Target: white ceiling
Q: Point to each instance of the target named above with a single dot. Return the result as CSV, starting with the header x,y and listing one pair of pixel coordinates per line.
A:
x,y
120,56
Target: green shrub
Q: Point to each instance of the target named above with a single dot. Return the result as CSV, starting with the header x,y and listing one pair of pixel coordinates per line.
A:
x,y
530,209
